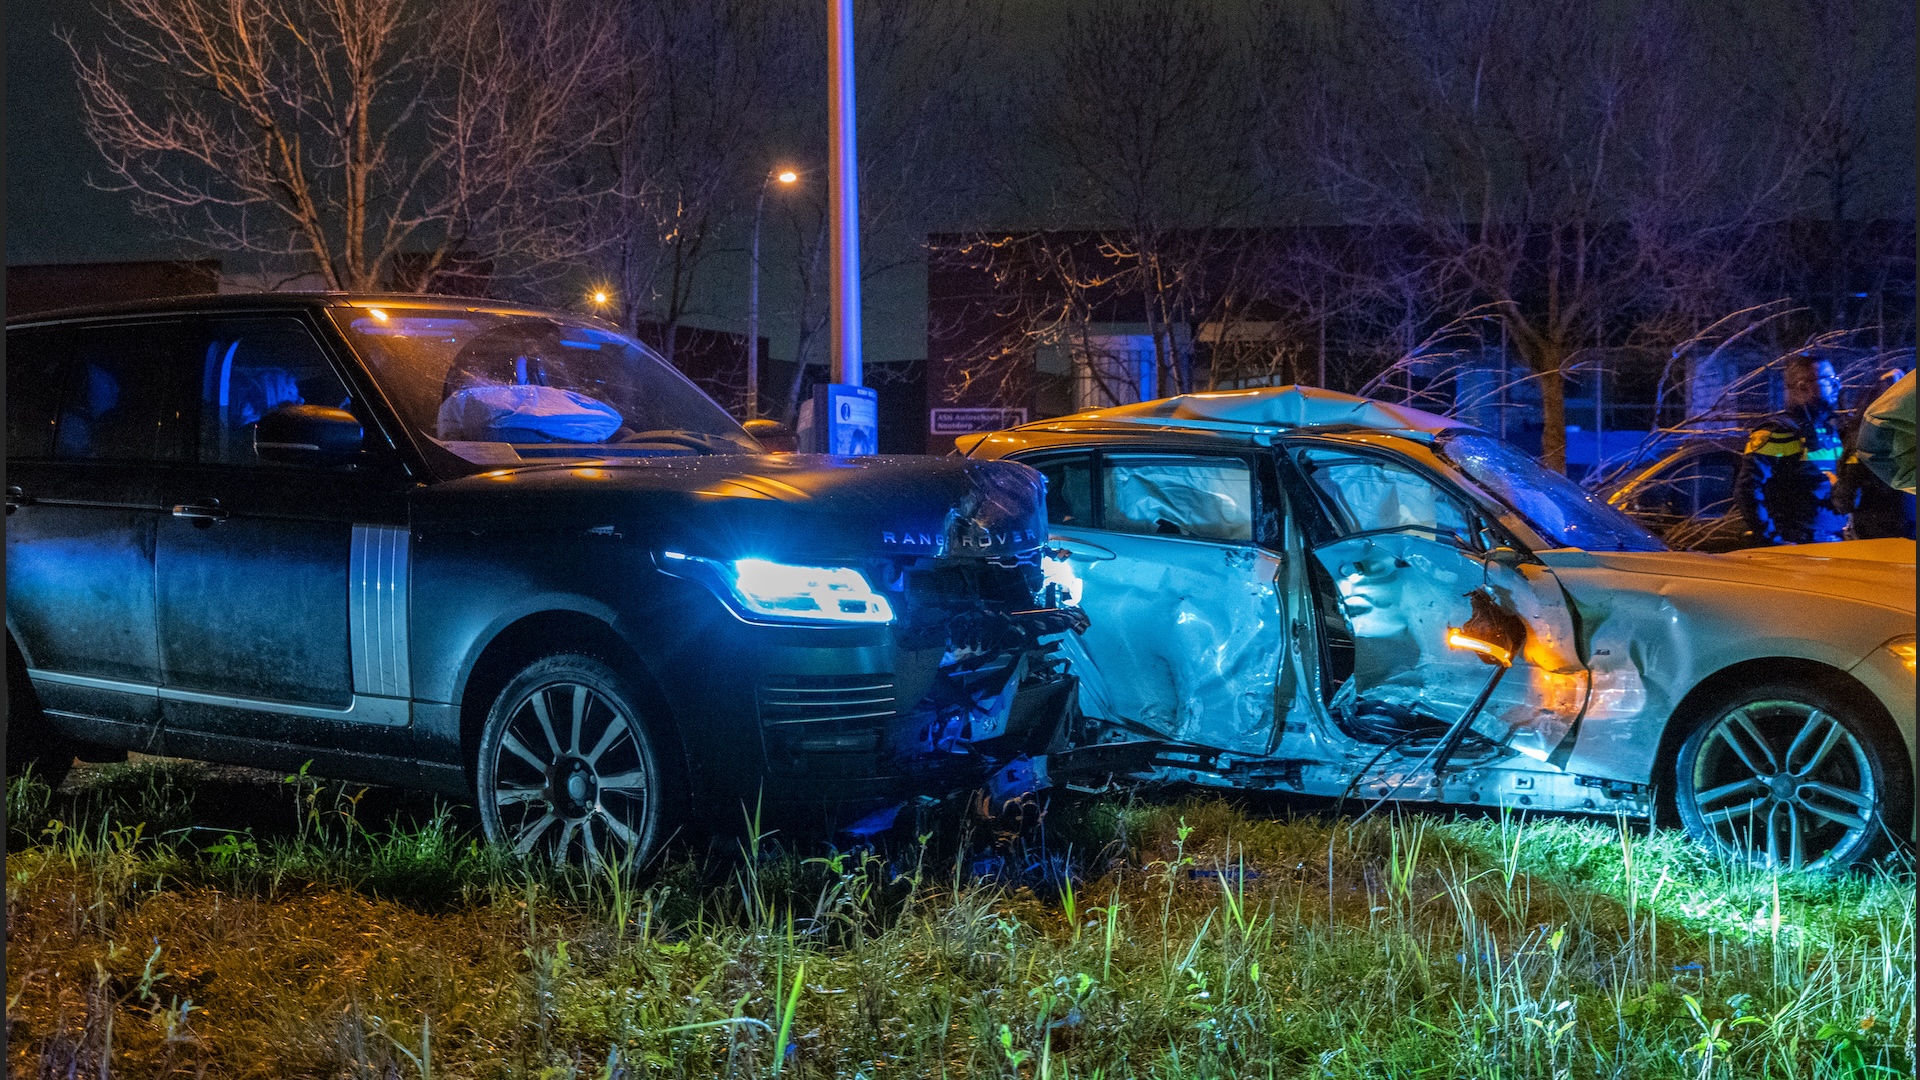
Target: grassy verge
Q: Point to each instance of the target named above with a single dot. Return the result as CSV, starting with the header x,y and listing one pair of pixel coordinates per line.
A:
x,y
1126,939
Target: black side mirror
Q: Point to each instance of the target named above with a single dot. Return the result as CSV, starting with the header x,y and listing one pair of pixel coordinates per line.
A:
x,y
308,435
772,434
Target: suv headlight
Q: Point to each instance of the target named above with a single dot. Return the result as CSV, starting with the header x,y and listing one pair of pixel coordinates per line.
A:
x,y
1903,648
761,590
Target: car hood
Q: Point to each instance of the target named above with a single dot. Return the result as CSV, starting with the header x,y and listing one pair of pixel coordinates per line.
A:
x,y
771,505
1876,572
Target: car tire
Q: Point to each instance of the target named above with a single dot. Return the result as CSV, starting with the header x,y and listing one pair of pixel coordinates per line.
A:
x,y
571,768
1787,776
32,744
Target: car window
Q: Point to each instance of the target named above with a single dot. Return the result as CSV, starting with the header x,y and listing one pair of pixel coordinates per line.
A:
x,y
1363,493
1069,491
1209,498
1556,508
36,362
248,368
117,394
497,388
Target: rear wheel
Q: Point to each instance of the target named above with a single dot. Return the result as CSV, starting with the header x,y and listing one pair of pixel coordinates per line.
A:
x,y
1789,777
32,744
569,769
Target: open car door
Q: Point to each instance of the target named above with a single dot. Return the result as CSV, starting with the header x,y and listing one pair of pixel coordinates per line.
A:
x,y
1159,549
1401,551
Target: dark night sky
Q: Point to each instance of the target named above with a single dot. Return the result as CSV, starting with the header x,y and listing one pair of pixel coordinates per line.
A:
x,y
52,214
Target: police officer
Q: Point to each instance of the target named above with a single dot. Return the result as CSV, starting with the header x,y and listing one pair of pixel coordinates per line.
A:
x,y
1878,510
1792,461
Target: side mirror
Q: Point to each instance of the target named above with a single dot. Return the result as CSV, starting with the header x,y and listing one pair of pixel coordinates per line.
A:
x,y
773,435
308,435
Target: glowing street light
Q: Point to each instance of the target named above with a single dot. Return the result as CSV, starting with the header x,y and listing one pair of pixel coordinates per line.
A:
x,y
785,176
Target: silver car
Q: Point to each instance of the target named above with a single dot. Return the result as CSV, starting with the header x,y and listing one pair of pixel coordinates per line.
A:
x,y
1296,590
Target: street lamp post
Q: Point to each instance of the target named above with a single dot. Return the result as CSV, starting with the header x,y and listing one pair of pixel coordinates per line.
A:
x,y
785,176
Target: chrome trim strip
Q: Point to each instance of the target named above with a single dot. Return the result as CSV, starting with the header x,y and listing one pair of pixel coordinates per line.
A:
x,y
377,580
364,709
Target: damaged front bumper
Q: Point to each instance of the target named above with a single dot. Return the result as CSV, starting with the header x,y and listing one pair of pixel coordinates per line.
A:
x,y
917,722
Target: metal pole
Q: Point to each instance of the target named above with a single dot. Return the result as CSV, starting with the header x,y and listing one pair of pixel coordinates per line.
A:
x,y
843,193
753,307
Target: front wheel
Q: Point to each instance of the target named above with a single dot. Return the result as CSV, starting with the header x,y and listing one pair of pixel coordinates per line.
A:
x,y
1789,778
569,770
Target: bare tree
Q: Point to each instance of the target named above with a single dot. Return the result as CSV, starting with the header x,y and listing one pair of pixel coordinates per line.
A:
x,y
1552,161
695,112
1139,199
341,134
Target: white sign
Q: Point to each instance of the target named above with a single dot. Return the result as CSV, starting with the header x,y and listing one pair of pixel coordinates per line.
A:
x,y
969,421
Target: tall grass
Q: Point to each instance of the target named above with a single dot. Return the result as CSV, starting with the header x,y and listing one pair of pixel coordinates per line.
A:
x,y
1122,939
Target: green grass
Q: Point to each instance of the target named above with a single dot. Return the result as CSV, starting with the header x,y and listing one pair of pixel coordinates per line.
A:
x,y
1125,939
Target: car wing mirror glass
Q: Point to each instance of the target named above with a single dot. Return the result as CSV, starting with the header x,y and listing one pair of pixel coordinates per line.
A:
x,y
308,435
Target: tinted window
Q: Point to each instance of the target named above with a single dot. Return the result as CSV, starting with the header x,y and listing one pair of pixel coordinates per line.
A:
x,y
1208,498
36,362
1069,491
118,394
1369,494
249,367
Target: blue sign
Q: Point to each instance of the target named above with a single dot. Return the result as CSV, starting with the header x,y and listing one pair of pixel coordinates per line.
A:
x,y
852,419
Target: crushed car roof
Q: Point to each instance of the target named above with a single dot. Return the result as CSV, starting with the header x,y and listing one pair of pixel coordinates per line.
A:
x,y
1275,408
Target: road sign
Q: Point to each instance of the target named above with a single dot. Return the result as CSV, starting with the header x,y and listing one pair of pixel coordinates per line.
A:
x,y
969,421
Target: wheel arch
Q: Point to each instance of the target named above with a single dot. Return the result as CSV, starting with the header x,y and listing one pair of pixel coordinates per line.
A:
x,y
546,633
1693,708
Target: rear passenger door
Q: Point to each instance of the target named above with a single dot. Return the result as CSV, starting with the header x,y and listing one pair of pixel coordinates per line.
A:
x,y
1164,554
93,427
281,588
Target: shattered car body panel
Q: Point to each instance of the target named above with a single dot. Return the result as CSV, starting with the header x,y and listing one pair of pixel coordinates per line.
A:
x,y
1381,524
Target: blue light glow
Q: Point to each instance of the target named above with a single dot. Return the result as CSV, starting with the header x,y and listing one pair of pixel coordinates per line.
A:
x,y
823,593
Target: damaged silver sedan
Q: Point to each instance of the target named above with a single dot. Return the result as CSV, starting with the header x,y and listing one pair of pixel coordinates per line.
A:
x,y
1296,590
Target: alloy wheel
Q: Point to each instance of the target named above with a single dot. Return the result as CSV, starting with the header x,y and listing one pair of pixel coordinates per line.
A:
x,y
572,777
1783,785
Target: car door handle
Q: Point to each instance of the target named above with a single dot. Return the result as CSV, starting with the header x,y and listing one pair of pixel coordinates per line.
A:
x,y
206,510
16,498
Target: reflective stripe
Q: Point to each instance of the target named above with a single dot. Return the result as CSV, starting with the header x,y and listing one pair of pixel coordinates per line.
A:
x,y
1775,443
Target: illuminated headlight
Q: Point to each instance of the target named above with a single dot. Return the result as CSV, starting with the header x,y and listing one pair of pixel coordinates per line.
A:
x,y
1903,648
761,589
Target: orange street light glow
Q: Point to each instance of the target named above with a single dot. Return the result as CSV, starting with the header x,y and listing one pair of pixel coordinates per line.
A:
x,y
600,296
787,176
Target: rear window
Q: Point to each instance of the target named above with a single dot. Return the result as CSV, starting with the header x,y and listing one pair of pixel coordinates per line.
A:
x,y
117,393
36,361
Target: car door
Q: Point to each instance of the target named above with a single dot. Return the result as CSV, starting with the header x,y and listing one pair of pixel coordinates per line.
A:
x,y
92,427
1161,550
1403,550
281,588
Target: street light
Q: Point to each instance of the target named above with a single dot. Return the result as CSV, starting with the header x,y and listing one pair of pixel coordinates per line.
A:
x,y
784,176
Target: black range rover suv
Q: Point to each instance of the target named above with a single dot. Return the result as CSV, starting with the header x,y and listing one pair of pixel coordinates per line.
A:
x,y
496,551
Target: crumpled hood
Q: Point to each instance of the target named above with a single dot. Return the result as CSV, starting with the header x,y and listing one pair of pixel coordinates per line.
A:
x,y
1867,571
772,505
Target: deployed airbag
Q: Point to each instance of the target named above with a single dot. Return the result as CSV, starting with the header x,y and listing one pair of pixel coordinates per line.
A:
x,y
525,414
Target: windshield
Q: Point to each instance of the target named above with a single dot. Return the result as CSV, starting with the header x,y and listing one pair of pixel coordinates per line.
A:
x,y
1555,506
500,389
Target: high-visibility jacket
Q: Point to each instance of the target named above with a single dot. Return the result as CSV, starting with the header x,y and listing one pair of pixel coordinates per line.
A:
x,y
1786,478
